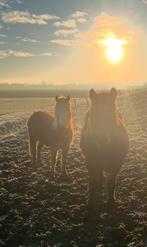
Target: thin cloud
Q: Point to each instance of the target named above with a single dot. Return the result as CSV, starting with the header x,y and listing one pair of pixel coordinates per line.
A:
x,y
79,14
63,42
68,42
102,26
105,23
2,43
21,54
25,17
19,1
4,3
69,23
27,39
46,54
14,53
81,20
65,32
3,35
30,40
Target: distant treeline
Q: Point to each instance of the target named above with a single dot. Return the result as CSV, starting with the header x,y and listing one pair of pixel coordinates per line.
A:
x,y
41,93
46,92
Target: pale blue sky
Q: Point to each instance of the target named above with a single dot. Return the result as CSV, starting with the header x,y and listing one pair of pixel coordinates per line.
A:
x,y
38,33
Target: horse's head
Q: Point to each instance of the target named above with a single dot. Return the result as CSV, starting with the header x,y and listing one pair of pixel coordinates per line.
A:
x,y
103,111
63,111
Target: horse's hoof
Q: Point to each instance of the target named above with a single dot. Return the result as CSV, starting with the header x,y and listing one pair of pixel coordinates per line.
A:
x,y
91,215
33,163
111,205
91,206
112,200
64,177
52,174
38,164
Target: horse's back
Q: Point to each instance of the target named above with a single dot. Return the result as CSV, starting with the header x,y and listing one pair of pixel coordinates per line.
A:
x,y
110,153
39,119
39,125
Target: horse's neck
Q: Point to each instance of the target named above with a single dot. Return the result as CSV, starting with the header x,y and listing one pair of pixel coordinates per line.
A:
x,y
56,125
114,125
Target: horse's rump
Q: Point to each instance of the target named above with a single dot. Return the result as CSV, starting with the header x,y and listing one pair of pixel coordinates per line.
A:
x,y
39,126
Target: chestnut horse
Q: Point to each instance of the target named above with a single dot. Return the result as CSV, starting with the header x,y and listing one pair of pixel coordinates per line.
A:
x,y
55,132
104,142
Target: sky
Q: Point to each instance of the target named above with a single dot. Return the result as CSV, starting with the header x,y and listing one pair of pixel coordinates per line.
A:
x,y
60,41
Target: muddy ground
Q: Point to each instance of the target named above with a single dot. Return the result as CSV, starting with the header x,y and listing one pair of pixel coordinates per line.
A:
x,y
39,211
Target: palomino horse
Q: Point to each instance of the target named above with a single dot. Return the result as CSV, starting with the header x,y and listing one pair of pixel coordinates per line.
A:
x,y
55,132
104,142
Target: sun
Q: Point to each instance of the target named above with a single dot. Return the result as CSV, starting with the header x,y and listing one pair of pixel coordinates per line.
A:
x,y
114,48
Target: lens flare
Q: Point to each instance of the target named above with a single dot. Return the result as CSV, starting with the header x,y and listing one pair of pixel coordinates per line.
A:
x,y
114,48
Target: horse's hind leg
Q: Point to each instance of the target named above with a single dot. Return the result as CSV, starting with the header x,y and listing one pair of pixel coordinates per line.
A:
x,y
39,147
33,142
95,185
111,188
64,157
54,155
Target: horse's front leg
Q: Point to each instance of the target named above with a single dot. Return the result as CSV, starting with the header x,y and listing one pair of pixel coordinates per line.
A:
x,y
39,147
53,160
33,143
95,184
64,158
111,188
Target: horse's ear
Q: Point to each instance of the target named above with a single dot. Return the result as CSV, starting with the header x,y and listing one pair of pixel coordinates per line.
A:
x,y
113,92
56,98
92,94
68,97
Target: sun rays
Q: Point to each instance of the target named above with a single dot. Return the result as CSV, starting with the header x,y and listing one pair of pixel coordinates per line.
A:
x,y
114,48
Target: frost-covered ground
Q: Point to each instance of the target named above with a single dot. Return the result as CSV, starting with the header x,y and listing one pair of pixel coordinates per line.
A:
x,y
39,211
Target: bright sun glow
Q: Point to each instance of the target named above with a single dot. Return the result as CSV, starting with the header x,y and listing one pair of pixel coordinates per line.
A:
x,y
114,48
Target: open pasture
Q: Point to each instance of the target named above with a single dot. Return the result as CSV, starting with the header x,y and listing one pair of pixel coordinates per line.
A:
x,y
39,211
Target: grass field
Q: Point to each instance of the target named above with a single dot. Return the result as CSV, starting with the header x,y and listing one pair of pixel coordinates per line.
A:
x,y
39,211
